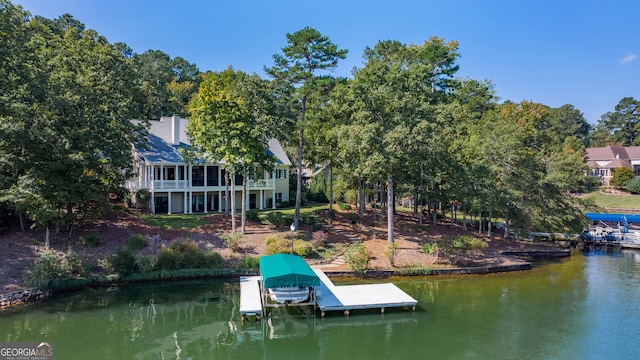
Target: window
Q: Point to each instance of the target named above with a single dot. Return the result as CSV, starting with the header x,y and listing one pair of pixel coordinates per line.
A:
x,y
212,176
281,173
278,197
197,176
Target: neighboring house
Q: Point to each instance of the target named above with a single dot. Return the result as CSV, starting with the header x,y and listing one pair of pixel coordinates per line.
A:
x,y
178,187
603,160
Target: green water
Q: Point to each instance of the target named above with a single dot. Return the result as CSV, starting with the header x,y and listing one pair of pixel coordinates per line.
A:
x,y
585,307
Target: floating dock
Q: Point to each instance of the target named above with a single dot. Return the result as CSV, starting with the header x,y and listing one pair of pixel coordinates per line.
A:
x,y
329,297
350,297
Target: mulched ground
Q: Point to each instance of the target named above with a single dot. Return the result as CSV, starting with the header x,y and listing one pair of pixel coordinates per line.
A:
x,y
18,249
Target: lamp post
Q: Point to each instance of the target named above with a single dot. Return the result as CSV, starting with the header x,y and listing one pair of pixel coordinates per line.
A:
x,y
293,229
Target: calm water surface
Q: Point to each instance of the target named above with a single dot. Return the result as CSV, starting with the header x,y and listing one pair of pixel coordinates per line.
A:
x,y
585,307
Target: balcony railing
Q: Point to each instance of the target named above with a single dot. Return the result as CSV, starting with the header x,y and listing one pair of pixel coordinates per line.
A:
x,y
159,185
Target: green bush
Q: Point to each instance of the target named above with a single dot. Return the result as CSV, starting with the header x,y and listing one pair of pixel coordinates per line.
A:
x,y
187,255
168,259
137,242
302,248
277,245
344,206
634,185
351,196
91,240
390,252
231,241
429,248
250,262
253,215
145,264
621,177
358,257
123,262
274,218
50,269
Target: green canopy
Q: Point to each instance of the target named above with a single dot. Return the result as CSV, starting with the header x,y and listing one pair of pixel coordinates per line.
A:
x,y
283,270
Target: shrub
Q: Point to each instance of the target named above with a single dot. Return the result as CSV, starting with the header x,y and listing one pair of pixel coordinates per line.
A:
x,y
123,262
253,215
50,269
145,264
351,196
429,248
232,241
344,206
168,259
358,257
390,252
621,177
91,240
352,217
250,262
274,218
302,248
142,198
319,238
137,242
634,185
276,245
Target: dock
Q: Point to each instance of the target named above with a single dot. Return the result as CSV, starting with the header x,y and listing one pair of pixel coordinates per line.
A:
x,y
351,297
250,298
329,297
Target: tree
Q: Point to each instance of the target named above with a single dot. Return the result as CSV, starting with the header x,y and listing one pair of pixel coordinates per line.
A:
x,y
391,105
621,177
307,52
621,126
230,124
68,135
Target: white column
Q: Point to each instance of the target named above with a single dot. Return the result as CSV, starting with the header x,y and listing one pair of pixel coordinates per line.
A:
x,y
176,176
190,202
273,202
204,177
247,197
185,202
219,199
162,177
261,199
153,202
169,202
219,175
205,201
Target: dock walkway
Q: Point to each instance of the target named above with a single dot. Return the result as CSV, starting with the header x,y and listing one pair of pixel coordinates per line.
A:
x,y
250,297
350,297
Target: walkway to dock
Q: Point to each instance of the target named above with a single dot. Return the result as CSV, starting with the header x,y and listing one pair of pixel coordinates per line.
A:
x,y
351,297
250,297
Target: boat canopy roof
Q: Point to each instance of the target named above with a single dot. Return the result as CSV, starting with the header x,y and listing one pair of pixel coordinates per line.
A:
x,y
283,270
630,218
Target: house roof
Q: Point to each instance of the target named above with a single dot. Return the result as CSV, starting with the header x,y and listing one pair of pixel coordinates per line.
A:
x,y
284,270
159,146
612,152
616,163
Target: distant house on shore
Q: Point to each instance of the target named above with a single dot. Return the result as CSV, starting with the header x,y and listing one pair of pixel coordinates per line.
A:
x,y
180,187
602,160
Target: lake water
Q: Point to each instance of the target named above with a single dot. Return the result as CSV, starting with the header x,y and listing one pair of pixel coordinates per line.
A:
x,y
584,307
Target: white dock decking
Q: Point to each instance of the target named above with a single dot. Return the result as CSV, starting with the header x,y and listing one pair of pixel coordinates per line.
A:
x,y
370,296
330,297
250,298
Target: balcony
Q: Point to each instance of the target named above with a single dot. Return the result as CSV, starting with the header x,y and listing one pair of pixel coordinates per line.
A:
x,y
261,184
157,185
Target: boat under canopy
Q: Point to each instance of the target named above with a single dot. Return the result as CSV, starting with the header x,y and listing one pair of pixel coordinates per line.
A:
x,y
286,271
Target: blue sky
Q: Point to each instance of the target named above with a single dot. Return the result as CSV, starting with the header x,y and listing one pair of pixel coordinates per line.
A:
x,y
583,53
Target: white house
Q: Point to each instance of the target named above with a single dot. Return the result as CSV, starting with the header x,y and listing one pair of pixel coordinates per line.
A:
x,y
177,187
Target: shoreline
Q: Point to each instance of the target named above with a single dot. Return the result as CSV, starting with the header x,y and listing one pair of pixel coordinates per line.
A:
x,y
25,297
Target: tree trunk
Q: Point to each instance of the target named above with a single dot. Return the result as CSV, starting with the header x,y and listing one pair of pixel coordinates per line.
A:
x,y
415,202
226,194
243,221
361,198
46,238
390,212
375,202
330,187
21,218
480,222
296,216
464,217
382,201
233,202
506,225
490,215
435,214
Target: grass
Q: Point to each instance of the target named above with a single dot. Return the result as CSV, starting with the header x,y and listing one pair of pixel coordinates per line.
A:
x,y
614,201
174,221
